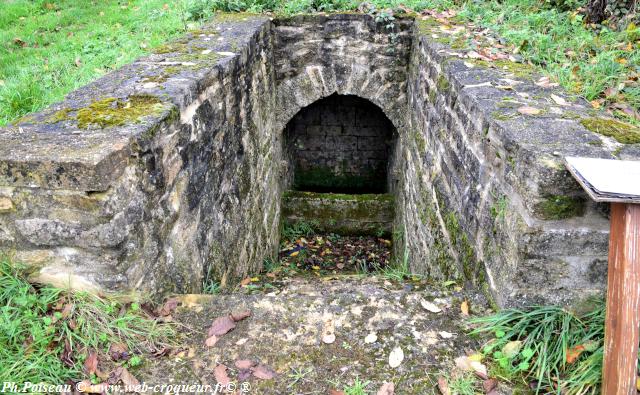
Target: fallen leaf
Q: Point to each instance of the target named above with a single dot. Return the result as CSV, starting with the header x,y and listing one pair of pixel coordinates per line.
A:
x,y
430,306
479,369
264,372
371,338
468,364
240,315
489,385
221,325
245,282
336,392
211,341
128,379
386,389
445,334
220,373
66,356
168,307
18,41
396,357
559,100
574,352
91,363
464,308
78,62
512,348
443,386
526,110
244,364
242,341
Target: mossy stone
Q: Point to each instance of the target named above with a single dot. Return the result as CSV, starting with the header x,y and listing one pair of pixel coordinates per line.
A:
x,y
622,132
114,112
557,207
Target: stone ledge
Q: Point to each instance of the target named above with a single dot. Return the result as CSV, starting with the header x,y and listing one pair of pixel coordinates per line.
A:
x,y
365,214
72,145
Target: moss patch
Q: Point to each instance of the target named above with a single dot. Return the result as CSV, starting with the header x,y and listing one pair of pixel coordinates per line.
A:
x,y
324,179
560,207
622,132
58,116
114,112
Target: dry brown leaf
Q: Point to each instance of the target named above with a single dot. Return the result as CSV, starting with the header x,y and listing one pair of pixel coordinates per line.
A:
x,y
211,341
527,110
245,282
168,307
221,325
464,308
386,389
264,372
220,373
336,392
489,385
443,386
66,356
128,379
240,315
244,364
91,363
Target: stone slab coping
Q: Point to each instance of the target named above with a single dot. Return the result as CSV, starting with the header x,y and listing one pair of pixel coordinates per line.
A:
x,y
607,180
78,145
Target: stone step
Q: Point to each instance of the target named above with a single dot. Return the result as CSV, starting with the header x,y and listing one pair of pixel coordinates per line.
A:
x,y
346,214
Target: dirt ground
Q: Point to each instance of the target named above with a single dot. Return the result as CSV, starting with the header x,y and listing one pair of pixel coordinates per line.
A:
x,y
321,334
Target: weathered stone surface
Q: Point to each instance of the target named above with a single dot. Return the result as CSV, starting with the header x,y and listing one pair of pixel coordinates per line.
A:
x,y
340,144
187,183
366,214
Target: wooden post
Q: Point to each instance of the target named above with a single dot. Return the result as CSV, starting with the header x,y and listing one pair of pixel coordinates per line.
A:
x,y
622,325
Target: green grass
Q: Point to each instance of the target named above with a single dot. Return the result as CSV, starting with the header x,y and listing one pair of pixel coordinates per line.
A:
x,y
36,322
555,349
597,63
357,388
49,48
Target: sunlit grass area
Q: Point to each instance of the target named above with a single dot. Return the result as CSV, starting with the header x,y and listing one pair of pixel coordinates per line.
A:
x,y
51,47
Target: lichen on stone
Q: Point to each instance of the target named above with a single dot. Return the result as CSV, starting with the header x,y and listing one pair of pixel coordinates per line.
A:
x,y
59,116
622,132
114,112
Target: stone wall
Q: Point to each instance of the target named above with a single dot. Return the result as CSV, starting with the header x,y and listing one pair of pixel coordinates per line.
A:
x,y
340,144
485,186
171,170
105,197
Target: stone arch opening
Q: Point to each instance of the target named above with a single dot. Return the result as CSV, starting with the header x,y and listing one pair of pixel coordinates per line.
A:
x,y
340,144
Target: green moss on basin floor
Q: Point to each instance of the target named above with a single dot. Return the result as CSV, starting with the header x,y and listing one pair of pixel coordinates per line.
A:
x,y
622,132
560,207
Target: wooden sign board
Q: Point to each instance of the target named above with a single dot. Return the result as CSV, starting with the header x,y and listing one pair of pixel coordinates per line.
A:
x,y
607,180
618,182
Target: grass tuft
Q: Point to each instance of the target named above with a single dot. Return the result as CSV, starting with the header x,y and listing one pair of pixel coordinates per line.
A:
x,y
547,348
46,333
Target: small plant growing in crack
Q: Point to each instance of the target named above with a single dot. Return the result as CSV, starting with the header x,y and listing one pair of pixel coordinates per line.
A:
x,y
298,375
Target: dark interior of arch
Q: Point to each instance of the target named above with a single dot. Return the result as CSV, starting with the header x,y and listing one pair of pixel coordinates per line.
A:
x,y
341,144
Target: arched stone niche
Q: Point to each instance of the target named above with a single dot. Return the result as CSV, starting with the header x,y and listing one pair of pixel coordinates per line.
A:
x,y
192,189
